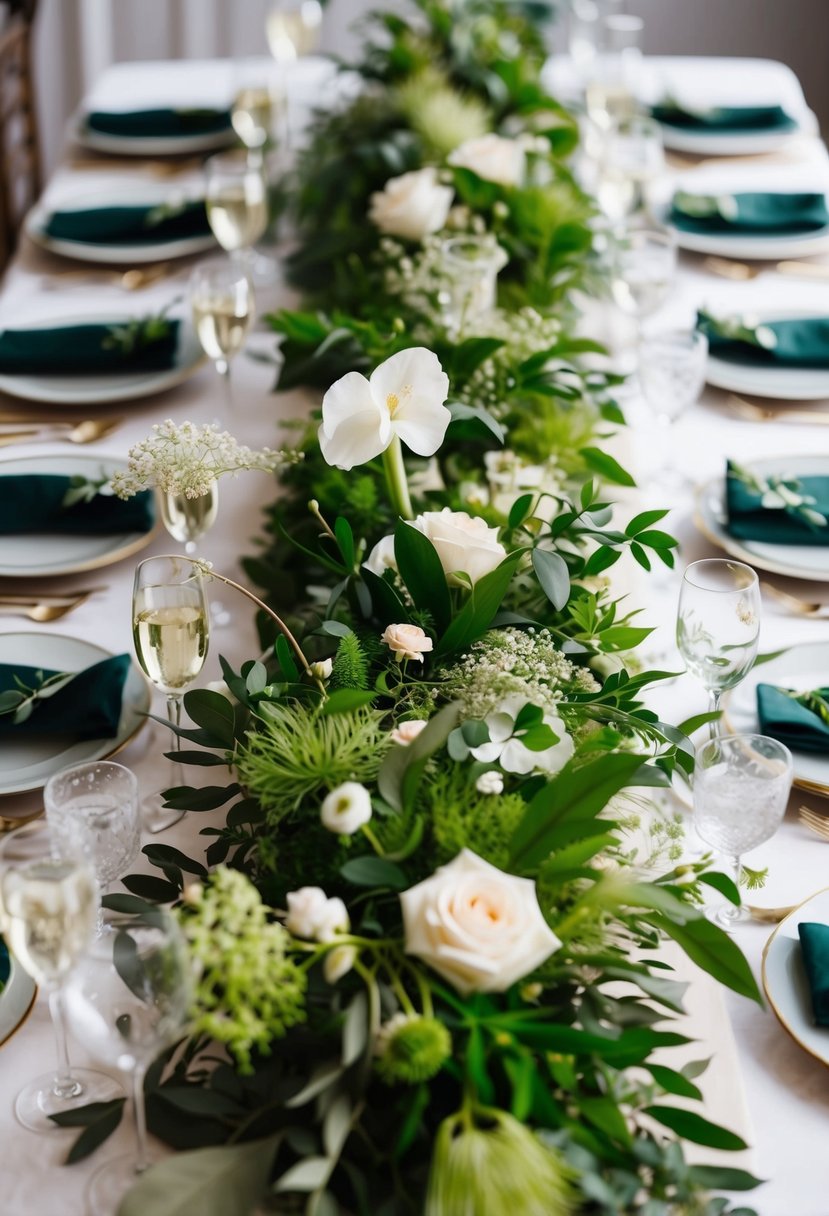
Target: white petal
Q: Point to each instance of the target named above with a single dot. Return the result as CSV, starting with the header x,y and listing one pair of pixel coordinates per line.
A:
x,y
349,395
412,386
421,426
355,441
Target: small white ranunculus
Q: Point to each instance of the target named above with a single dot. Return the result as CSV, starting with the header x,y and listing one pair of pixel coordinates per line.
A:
x,y
509,751
478,927
412,205
406,732
346,808
403,398
490,782
382,557
312,915
322,668
463,542
338,962
493,158
407,642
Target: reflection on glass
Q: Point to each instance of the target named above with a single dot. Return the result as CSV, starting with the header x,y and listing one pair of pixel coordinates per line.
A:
x,y
222,299
187,519
472,265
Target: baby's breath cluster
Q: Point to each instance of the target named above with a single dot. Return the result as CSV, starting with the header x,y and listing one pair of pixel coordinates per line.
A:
x,y
187,459
508,661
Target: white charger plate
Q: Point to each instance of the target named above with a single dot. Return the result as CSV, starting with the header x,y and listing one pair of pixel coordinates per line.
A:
x,y
34,555
730,143
784,978
793,561
784,383
757,248
801,668
91,389
142,194
149,145
27,764
16,1000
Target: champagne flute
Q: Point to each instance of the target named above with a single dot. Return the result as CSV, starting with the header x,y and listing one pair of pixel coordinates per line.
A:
x,y
127,1001
187,519
48,910
236,198
614,71
170,621
221,296
718,625
252,111
92,812
292,28
741,787
632,158
644,271
672,367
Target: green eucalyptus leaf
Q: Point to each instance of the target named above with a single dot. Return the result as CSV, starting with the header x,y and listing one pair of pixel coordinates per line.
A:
x,y
372,871
553,575
225,1181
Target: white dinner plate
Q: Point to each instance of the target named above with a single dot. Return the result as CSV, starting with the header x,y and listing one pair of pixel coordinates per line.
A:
x,y
113,255
784,978
801,668
725,143
28,763
45,555
16,1000
92,389
758,248
769,380
145,145
794,561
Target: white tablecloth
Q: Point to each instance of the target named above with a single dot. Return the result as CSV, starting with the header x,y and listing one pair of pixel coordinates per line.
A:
x,y
787,1091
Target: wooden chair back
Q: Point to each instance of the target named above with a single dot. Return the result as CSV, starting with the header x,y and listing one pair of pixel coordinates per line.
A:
x,y
20,175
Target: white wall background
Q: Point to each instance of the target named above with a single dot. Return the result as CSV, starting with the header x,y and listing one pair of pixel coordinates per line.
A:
x,y
75,39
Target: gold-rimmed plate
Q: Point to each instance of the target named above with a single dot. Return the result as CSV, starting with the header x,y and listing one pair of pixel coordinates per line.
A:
x,y
784,977
16,997
27,763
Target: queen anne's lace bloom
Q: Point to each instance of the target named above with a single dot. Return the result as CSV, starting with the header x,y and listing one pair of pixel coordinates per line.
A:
x,y
187,459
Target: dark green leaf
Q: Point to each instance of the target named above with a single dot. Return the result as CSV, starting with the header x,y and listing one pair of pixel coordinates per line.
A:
x,y
345,700
674,1082
161,853
475,617
722,883
422,573
213,712
520,509
553,575
691,1126
714,950
152,888
607,466
97,1131
371,871
722,1178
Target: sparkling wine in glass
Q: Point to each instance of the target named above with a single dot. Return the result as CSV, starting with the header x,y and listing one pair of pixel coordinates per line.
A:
x,y
718,625
127,1000
48,910
236,198
741,787
170,621
252,111
293,29
221,296
187,519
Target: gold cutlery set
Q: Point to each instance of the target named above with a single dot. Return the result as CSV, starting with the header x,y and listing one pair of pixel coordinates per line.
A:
x,y
44,607
87,431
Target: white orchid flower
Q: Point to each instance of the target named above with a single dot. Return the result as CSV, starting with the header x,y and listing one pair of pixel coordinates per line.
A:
x,y
402,399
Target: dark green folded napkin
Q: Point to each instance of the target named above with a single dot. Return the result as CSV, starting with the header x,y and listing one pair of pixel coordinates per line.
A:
x,y
34,502
814,946
5,965
159,123
793,342
77,350
141,225
724,119
87,706
775,510
749,213
783,716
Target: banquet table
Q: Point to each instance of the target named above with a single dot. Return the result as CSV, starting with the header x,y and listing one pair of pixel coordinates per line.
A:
x,y
786,1091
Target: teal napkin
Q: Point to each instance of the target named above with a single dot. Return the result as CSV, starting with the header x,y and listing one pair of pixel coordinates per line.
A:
x,y
724,119
76,350
34,502
140,225
750,213
776,512
86,707
161,123
814,946
793,342
5,965
784,718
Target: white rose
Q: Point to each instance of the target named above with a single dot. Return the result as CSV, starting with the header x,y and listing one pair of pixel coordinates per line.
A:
x,y
407,732
346,808
312,915
463,542
493,158
382,557
412,205
479,928
407,642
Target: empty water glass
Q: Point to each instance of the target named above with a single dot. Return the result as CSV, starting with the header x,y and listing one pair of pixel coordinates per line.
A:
x,y
672,367
643,272
741,787
630,161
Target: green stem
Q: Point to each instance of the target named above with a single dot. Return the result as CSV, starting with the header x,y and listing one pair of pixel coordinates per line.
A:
x,y
373,841
396,483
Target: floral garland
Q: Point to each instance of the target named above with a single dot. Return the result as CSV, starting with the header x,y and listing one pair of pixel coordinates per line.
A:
x,y
411,928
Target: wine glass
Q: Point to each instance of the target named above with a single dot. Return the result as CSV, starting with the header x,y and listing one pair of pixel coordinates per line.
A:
x,y
644,271
236,198
187,519
252,110
614,71
741,787
292,28
672,367
128,1000
48,908
92,812
221,296
632,157
718,624
170,623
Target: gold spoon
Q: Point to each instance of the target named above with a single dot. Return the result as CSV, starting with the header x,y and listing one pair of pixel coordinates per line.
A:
x,y
793,602
727,268
42,613
134,279
764,413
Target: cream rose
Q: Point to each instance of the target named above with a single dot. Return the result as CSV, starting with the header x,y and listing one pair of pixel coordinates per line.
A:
x,y
412,205
463,542
407,642
479,928
312,915
407,732
346,808
493,158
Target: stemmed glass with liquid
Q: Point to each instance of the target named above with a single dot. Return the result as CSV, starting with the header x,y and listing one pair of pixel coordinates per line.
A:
x,y
48,910
631,159
741,787
236,199
127,1000
221,296
252,111
170,628
718,625
614,71
292,28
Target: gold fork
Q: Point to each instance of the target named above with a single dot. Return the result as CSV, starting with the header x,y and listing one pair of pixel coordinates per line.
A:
x,y
42,612
767,413
793,602
87,431
727,268
819,824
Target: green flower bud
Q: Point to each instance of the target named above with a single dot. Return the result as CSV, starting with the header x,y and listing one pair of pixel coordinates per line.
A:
x,y
411,1048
